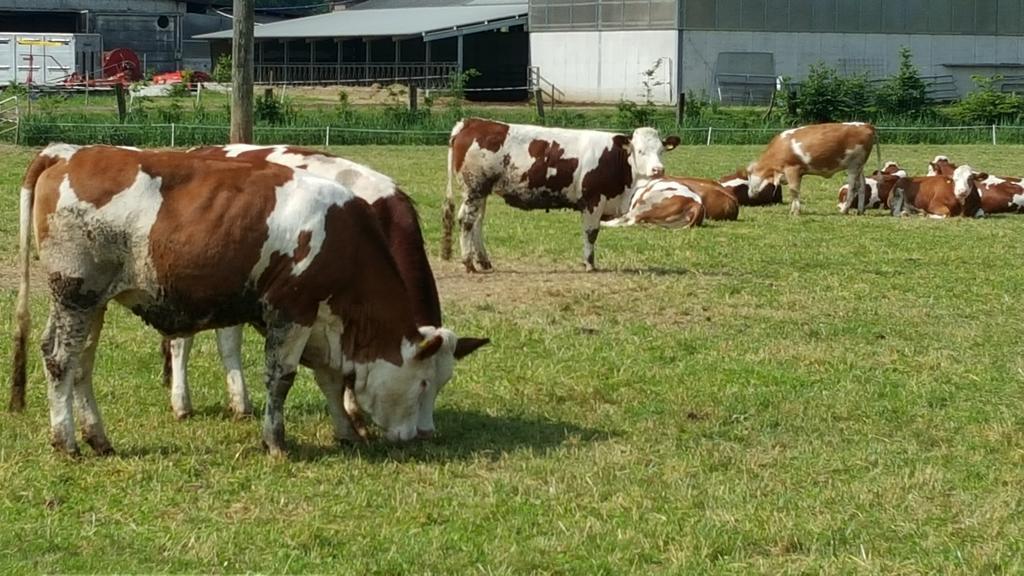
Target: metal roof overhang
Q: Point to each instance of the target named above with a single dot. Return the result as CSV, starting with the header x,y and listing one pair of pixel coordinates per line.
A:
x,y
433,23
473,28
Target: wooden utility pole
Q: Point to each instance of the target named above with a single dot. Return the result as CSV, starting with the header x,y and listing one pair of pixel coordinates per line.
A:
x,y
242,71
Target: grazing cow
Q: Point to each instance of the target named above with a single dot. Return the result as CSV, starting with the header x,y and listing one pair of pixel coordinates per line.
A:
x,y
665,202
532,167
190,244
940,196
879,185
737,184
999,194
819,150
400,224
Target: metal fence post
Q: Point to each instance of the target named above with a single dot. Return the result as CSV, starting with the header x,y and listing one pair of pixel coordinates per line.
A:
x,y
327,136
172,134
993,134
709,136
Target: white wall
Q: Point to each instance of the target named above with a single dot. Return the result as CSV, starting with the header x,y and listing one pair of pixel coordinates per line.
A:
x,y
606,66
795,51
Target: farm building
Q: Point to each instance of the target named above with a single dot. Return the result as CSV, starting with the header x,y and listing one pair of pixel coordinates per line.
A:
x,y
599,50
157,31
406,41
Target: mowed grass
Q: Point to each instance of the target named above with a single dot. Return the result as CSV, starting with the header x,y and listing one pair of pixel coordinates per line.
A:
x,y
821,394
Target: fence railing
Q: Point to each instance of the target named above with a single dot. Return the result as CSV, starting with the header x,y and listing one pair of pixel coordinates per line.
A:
x,y
180,135
433,75
10,116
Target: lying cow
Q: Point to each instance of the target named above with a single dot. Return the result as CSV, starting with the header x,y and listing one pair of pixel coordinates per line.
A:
x,y
719,201
189,244
819,150
664,202
939,196
400,224
879,186
533,167
737,184
999,194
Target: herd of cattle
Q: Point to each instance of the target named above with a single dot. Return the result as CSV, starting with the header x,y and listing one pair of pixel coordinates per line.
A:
x,y
325,257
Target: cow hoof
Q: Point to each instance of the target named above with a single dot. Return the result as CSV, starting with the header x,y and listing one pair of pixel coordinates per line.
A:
x,y
101,446
69,449
469,267
182,415
485,265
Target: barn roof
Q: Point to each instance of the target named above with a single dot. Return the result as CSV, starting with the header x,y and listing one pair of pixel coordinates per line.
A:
x,y
438,19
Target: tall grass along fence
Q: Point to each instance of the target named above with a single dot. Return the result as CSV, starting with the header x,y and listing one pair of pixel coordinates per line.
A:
x,y
183,135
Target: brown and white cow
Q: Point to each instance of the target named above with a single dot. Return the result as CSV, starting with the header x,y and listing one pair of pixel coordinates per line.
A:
x,y
818,150
940,196
999,194
879,186
737,184
400,223
665,202
189,244
533,167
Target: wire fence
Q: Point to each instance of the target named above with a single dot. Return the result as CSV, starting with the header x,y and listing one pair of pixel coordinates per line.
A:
x,y
184,135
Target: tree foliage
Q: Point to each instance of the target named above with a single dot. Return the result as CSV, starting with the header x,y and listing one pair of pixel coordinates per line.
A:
x,y
905,93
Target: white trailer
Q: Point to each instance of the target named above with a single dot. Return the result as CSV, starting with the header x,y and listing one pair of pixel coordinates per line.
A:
x,y
48,59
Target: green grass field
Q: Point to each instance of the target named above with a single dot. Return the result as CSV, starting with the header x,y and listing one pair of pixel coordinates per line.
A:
x,y
821,394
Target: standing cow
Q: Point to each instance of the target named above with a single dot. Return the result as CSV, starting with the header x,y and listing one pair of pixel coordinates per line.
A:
x,y
190,244
818,150
533,167
400,223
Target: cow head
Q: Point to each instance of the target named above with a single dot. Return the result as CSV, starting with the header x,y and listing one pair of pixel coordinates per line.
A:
x,y
645,147
444,370
400,399
759,179
965,181
941,166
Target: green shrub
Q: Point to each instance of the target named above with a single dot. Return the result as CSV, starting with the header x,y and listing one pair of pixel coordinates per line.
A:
x,y
828,97
222,69
904,93
987,105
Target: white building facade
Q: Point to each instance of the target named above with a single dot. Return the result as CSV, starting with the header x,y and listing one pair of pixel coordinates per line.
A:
x,y
599,50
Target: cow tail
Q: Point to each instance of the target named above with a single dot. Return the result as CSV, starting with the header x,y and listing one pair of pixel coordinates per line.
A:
x,y
878,150
23,316
448,218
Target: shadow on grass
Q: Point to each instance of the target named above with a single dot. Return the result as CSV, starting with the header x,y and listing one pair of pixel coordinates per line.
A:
x,y
462,436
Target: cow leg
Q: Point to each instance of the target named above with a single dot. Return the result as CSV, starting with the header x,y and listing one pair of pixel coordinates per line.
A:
x,y
482,257
591,226
181,400
855,182
793,178
229,345
469,212
64,339
284,345
85,400
332,385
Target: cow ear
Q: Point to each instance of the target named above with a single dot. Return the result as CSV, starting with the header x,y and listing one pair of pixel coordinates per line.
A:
x,y
466,346
671,142
981,175
428,347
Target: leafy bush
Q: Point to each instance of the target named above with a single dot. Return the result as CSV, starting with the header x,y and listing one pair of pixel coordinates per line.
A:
x,y
828,97
269,110
987,105
904,93
222,69
632,115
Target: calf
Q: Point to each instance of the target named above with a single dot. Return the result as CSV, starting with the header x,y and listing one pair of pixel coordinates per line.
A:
x,y
879,186
939,196
737,184
999,194
400,223
819,150
533,167
664,202
190,244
